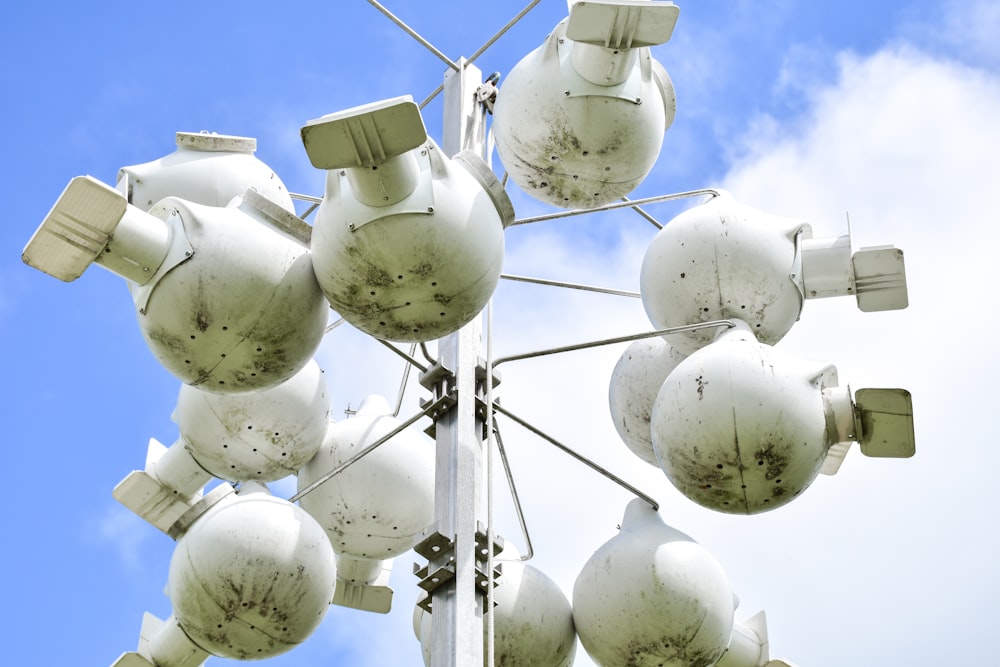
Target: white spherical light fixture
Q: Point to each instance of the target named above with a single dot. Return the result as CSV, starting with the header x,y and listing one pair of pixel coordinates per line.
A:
x,y
723,259
652,596
579,122
252,577
408,243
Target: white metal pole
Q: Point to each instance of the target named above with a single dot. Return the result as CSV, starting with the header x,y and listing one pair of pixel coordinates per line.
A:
x,y
457,627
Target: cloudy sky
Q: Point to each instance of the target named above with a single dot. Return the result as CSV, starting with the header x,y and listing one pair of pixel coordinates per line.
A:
x,y
883,112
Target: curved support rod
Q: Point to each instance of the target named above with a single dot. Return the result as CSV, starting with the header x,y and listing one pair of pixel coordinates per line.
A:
x,y
579,457
611,341
427,354
650,219
513,494
360,455
402,383
611,207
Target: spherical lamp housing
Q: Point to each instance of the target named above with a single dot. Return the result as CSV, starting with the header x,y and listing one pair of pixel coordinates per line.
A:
x,y
579,122
635,382
719,260
741,427
226,297
408,243
252,577
378,507
206,168
652,596
263,435
533,620
235,305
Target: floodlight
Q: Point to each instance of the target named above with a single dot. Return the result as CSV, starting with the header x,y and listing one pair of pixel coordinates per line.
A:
x,y
207,168
251,578
532,619
723,259
741,427
375,509
579,122
653,594
635,382
407,244
226,297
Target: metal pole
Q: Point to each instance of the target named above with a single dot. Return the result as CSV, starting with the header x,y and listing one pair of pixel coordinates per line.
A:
x,y
457,627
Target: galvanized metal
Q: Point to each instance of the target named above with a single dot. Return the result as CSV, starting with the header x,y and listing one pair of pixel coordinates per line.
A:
x,y
715,324
414,34
482,49
617,205
579,457
322,479
576,286
457,632
515,498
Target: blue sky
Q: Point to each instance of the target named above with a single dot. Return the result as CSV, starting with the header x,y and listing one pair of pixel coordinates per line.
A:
x,y
883,111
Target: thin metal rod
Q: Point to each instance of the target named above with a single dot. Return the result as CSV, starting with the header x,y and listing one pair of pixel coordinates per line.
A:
x,y
427,354
402,354
402,383
560,283
513,493
612,341
414,34
314,201
482,49
500,33
308,198
579,457
430,98
308,211
616,205
357,457
490,528
656,223
334,325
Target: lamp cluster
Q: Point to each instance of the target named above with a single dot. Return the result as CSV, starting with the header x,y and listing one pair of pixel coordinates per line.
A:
x,y
736,424
233,290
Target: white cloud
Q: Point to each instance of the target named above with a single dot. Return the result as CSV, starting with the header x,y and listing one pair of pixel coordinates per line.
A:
x,y
965,29
907,144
